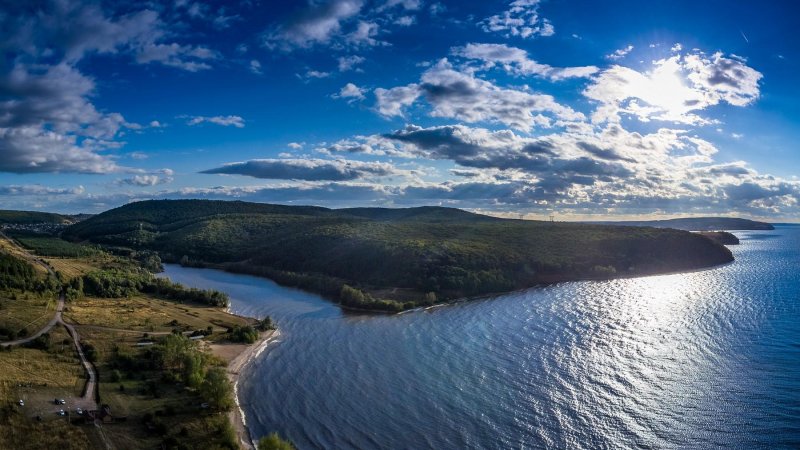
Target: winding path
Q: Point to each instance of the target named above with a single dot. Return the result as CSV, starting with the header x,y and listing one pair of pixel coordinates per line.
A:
x,y
88,400
55,320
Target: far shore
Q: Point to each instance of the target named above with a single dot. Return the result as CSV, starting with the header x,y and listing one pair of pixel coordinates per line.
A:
x,y
238,357
545,280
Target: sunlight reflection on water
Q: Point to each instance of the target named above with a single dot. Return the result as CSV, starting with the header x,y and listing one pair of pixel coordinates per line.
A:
x,y
701,359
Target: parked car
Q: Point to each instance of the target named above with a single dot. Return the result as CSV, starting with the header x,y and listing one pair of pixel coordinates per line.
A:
x,y
21,402
62,402
79,411
61,412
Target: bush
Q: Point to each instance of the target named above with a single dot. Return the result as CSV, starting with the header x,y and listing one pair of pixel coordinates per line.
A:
x,y
274,442
245,334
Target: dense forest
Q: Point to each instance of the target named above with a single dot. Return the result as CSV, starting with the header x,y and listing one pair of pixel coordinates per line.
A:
x,y
16,273
392,259
33,217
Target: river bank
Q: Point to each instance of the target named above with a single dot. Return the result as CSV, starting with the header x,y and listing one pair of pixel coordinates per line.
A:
x,y
238,357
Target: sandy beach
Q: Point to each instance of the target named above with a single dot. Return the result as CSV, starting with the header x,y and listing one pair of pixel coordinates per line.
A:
x,y
238,356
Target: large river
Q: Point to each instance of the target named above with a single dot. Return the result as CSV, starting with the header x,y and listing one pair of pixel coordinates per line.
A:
x,y
694,360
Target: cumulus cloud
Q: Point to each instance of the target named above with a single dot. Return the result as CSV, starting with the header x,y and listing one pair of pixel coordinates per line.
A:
x,y
340,25
675,90
350,92
75,29
47,121
581,170
225,121
515,61
462,96
364,34
317,24
521,19
306,169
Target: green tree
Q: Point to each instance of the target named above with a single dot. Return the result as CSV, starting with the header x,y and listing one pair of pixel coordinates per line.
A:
x,y
217,390
274,442
193,369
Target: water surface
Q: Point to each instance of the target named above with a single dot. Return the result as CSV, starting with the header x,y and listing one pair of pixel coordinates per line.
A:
x,y
696,360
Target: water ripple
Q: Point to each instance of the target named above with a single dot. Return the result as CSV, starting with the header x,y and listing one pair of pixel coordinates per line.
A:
x,y
696,360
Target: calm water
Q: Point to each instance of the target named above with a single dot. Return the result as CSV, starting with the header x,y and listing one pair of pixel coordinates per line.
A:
x,y
697,360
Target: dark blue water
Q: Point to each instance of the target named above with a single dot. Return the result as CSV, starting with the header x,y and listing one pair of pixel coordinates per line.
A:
x,y
696,360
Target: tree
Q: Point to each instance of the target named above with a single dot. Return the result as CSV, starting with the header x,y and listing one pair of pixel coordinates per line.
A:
x,y
217,390
193,369
274,442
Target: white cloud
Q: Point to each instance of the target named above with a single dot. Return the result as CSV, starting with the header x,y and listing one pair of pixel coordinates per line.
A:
x,y
47,121
350,62
226,121
675,90
521,19
620,53
191,59
583,170
313,74
145,180
515,60
462,96
307,169
405,21
410,5
39,190
350,92
138,155
318,24
364,34
391,102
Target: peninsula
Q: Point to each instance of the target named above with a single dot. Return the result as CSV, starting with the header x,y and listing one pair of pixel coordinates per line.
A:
x,y
391,259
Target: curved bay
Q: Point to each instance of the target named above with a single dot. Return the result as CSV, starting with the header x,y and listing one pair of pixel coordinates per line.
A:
x,y
708,358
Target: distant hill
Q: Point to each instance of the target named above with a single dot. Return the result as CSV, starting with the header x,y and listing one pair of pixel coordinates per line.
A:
x,y
394,258
427,213
32,217
698,224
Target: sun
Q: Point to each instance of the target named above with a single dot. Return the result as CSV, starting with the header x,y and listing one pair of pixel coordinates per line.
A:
x,y
664,92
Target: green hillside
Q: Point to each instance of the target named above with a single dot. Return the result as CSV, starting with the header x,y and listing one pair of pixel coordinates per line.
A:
x,y
30,217
405,257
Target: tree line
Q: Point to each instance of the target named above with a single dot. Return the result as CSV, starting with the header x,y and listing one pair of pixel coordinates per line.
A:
x,y
118,283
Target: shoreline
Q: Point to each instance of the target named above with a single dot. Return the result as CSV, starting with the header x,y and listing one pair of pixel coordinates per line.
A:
x,y
234,367
544,280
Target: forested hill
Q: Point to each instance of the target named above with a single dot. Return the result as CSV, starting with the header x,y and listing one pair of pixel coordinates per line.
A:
x,y
392,258
31,217
699,224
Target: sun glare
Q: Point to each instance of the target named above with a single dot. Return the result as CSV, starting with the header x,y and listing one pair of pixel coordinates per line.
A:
x,y
664,90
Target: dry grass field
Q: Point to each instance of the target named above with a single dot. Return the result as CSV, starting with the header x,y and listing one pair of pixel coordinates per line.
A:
x,y
25,311
146,314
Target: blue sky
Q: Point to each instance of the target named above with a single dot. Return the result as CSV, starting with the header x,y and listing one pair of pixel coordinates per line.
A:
x,y
521,108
